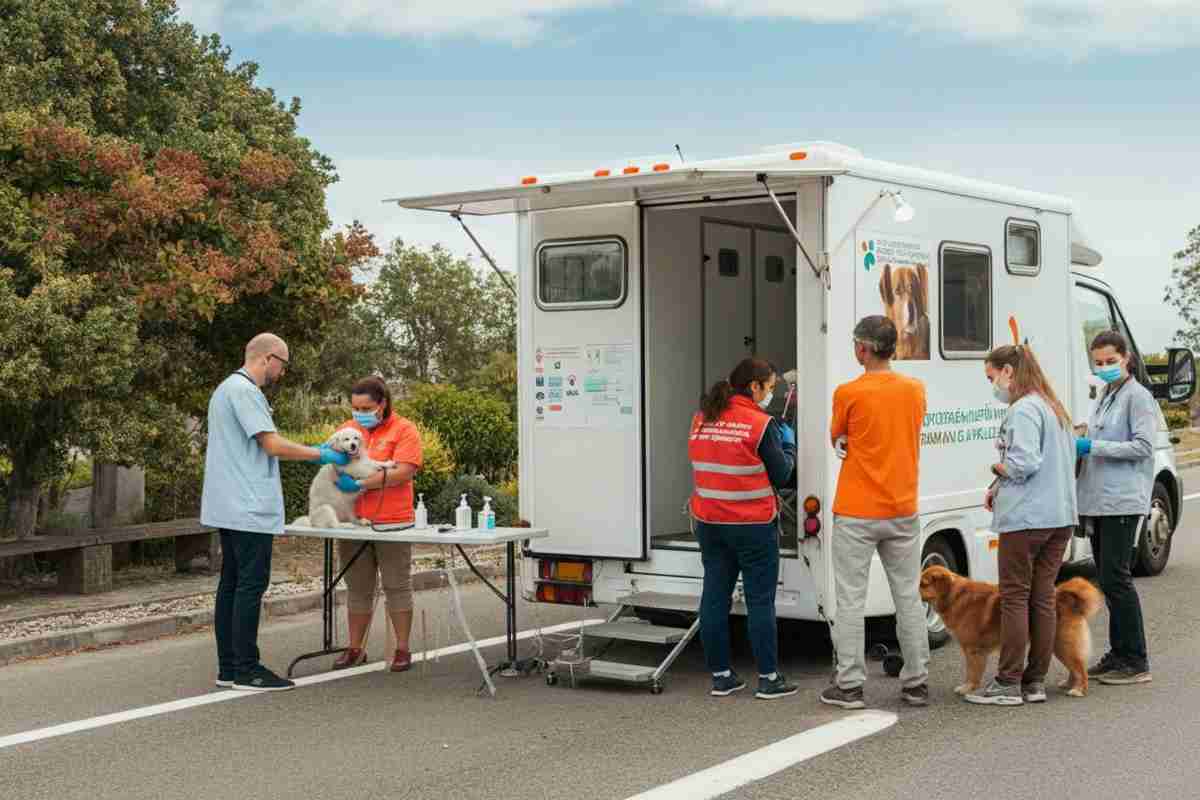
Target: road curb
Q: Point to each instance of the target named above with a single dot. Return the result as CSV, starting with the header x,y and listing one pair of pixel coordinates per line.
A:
x,y
117,633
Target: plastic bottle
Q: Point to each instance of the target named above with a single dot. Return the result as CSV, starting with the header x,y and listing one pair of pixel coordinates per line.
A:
x,y
422,521
462,515
487,517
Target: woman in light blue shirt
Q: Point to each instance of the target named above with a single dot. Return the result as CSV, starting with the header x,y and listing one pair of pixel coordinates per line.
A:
x,y
1034,510
1114,495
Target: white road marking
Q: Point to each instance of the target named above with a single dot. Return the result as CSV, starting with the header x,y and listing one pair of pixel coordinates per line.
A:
x,y
1191,497
224,696
766,761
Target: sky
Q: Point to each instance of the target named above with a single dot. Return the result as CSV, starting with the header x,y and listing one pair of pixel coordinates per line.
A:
x,y
1096,100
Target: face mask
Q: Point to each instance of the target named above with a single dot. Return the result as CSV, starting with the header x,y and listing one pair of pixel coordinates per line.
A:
x,y
1110,374
366,418
766,401
1001,392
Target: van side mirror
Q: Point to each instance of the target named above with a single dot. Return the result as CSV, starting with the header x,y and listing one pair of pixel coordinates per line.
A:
x,y
1177,379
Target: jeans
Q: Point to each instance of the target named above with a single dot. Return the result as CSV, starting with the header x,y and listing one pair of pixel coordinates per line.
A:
x,y
1112,547
1029,562
898,543
245,574
727,550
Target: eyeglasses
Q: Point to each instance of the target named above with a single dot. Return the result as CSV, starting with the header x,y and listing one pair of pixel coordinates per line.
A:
x,y
286,364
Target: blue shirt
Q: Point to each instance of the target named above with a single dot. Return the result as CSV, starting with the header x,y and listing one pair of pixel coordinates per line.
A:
x,y
1118,475
242,490
1039,457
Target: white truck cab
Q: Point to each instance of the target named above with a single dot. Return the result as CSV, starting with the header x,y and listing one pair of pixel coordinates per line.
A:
x,y
642,283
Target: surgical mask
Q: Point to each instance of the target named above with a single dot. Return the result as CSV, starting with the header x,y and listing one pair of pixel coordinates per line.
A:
x,y
1110,374
1001,392
766,401
367,419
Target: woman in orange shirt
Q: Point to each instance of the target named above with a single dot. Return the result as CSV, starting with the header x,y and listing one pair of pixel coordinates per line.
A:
x,y
388,437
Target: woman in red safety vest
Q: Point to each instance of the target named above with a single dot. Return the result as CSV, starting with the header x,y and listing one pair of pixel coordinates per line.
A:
x,y
739,455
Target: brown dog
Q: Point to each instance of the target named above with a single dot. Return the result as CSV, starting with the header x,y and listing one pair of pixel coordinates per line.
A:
x,y
971,611
905,292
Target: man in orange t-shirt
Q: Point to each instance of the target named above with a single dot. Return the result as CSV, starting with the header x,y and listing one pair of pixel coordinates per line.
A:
x,y
876,429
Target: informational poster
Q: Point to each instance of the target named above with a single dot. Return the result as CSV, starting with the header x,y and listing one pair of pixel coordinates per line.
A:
x,y
893,280
585,386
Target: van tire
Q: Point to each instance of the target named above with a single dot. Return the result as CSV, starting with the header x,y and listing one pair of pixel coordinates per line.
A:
x,y
1153,550
938,550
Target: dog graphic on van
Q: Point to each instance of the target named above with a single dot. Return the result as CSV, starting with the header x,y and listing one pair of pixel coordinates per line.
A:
x,y
905,292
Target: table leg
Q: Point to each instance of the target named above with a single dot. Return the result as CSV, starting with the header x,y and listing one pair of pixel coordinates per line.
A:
x,y
329,583
508,667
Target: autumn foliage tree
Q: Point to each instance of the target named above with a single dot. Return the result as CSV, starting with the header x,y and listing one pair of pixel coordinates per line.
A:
x,y
157,209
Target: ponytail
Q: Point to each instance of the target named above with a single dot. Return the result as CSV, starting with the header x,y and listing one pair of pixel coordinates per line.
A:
x,y
748,371
1028,378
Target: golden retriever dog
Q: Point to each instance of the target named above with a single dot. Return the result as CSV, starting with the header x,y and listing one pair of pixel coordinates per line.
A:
x,y
329,506
971,611
905,292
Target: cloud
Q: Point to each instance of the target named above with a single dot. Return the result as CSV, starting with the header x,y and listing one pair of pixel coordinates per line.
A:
x,y
1071,26
1074,27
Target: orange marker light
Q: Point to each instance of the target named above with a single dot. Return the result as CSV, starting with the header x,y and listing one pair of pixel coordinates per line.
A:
x,y
994,544
799,155
528,181
661,167
631,170
602,173
812,505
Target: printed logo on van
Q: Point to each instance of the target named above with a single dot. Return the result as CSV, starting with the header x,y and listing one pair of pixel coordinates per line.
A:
x,y
868,248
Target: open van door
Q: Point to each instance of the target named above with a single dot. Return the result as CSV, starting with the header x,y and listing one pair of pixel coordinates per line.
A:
x,y
581,352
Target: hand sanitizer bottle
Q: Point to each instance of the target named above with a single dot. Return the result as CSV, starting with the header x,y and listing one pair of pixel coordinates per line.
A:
x,y
422,521
487,517
462,515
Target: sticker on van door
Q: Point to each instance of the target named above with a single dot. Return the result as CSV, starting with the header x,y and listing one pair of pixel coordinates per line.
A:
x,y
893,280
595,386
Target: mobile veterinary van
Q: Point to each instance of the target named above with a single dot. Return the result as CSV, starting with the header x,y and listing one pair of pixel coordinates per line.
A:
x,y
641,284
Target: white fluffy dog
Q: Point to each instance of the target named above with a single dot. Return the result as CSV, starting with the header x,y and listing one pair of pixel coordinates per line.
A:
x,y
329,506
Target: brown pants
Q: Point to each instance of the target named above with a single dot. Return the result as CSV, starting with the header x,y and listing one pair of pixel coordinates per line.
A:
x,y
1029,563
391,560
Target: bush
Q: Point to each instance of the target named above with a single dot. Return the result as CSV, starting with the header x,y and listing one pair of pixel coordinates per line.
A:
x,y
173,491
475,488
438,468
478,429
1177,417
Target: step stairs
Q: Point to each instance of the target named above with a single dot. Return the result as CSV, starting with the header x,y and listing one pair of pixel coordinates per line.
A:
x,y
586,663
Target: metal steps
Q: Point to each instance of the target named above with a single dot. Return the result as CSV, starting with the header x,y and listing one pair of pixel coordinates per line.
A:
x,y
584,664
662,601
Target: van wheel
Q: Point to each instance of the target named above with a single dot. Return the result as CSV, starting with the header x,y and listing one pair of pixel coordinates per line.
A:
x,y
938,551
1153,549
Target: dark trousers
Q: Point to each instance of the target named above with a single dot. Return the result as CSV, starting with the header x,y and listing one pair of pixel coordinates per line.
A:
x,y
726,550
1029,562
1113,540
245,574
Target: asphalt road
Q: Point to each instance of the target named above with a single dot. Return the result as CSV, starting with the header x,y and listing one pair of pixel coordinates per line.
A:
x,y
426,734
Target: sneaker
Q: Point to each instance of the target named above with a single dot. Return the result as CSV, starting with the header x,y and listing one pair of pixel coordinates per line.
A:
x,y
1106,665
726,685
997,694
915,695
843,698
773,689
263,680
1034,692
1126,675
225,680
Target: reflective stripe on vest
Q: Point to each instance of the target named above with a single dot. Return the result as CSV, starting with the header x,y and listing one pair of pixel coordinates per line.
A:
x,y
731,482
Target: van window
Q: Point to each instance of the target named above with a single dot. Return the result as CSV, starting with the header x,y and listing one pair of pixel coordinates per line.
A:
x,y
581,274
1096,314
966,299
1022,248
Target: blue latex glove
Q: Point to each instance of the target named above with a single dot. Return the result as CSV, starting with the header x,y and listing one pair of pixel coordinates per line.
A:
x,y
327,455
788,435
348,484
1083,447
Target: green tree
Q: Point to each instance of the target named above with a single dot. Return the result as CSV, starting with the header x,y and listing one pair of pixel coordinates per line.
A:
x,y
1183,292
444,316
146,184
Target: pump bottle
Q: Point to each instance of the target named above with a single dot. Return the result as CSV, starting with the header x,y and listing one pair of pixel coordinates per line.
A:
x,y
422,513
462,515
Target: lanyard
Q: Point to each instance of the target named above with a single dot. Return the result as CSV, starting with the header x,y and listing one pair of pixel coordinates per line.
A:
x,y
1107,402
247,377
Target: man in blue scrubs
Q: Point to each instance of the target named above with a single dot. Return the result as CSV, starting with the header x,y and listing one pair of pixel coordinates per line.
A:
x,y
243,498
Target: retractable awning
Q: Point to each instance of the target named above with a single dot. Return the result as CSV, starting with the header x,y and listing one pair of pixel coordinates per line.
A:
x,y
534,194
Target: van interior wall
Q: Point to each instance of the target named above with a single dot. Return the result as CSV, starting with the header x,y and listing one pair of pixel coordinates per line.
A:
x,y
674,325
